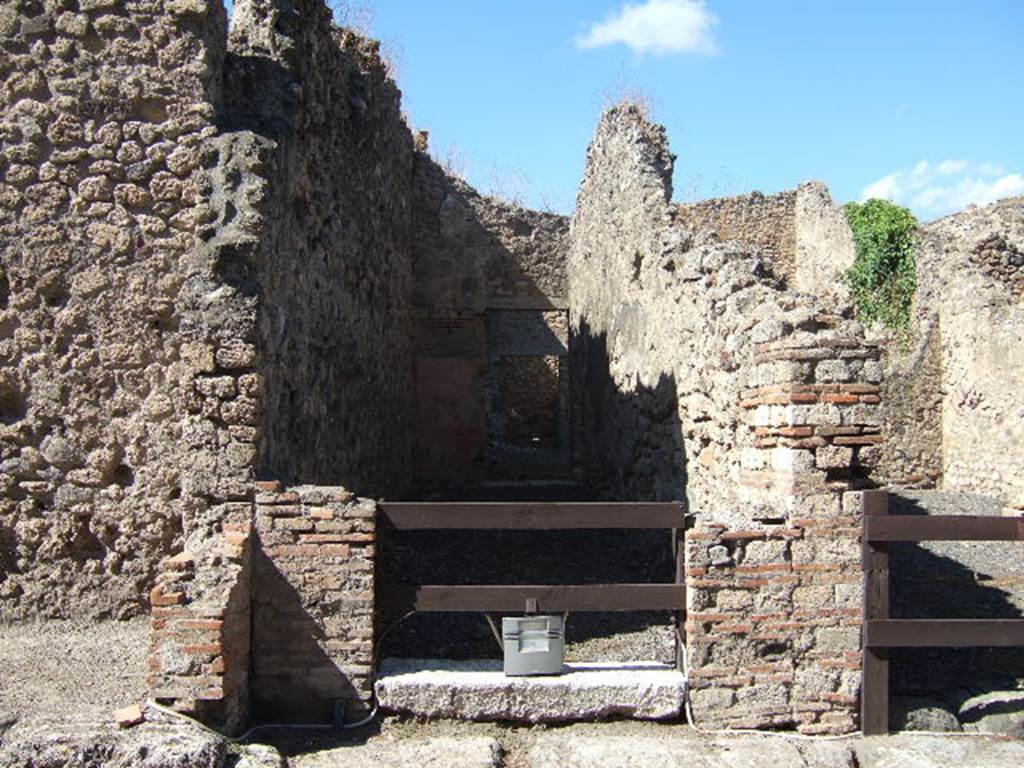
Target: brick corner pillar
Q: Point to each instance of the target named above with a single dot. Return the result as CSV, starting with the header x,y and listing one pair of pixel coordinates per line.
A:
x,y
200,627
313,603
775,605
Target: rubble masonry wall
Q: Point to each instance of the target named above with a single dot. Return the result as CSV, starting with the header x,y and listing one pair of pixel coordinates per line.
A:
x,y
113,324
703,378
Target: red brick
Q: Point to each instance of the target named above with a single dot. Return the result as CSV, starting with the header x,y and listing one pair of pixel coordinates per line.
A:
x,y
158,597
322,538
200,624
841,398
870,399
269,486
293,550
803,397
769,616
742,535
833,431
766,568
859,440
202,649
860,389
815,567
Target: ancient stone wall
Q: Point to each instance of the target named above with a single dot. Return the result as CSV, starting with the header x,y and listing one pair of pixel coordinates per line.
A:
x,y
313,603
309,226
912,392
804,236
193,287
765,220
824,244
332,268
702,377
489,306
970,268
121,345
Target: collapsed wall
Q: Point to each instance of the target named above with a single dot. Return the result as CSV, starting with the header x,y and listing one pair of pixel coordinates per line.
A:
x,y
699,373
803,236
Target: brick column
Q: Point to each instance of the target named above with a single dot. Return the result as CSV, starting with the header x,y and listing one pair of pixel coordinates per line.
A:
x,y
775,613
199,628
313,603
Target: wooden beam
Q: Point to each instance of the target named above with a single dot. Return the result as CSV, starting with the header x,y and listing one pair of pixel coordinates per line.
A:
x,y
943,528
943,633
531,515
874,695
554,598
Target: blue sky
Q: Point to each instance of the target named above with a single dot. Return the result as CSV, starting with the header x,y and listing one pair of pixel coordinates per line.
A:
x,y
916,100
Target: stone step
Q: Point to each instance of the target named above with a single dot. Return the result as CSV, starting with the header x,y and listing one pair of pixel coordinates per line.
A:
x,y
479,690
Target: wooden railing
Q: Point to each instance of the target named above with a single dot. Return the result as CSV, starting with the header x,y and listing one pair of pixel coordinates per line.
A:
x,y
882,633
536,516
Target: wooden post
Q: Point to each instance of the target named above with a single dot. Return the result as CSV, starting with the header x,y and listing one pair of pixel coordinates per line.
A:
x,y
874,695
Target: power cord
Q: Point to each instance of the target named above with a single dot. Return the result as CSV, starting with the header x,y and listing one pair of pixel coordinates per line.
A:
x,y
291,726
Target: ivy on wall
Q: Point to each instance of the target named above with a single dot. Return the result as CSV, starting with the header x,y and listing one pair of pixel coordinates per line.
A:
x,y
882,278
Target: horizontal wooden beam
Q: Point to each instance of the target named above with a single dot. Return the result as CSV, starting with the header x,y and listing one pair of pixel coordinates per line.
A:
x,y
531,515
943,633
513,599
943,528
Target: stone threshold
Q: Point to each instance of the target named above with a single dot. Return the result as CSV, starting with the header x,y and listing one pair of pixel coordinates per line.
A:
x,y
479,690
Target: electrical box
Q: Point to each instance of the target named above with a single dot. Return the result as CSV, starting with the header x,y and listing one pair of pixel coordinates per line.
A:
x,y
533,645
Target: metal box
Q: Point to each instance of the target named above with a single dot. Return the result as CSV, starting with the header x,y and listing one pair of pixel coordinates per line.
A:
x,y
533,645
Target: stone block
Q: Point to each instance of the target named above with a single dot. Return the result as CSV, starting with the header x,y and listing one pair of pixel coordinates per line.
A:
x,y
478,690
834,457
837,639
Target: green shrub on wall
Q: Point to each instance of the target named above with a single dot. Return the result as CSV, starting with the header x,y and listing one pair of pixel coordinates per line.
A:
x,y
882,279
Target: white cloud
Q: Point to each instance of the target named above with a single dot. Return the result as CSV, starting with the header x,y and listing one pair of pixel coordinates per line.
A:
x,y
935,190
657,26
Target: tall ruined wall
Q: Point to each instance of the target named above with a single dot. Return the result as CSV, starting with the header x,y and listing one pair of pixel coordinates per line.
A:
x,y
824,244
971,281
700,374
490,327
332,270
663,323
199,281
111,316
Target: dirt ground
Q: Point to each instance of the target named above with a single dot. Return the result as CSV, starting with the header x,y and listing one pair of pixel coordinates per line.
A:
x,y
88,668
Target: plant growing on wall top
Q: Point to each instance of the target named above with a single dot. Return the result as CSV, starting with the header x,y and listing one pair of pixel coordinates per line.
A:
x,y
882,278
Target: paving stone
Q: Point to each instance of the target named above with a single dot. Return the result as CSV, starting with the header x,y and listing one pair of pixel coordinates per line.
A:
x,y
438,752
